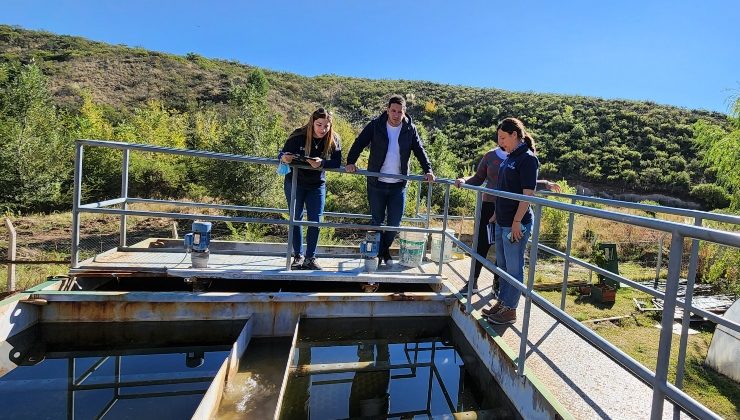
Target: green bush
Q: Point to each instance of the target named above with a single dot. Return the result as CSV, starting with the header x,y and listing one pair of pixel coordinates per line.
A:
x,y
712,196
554,227
720,266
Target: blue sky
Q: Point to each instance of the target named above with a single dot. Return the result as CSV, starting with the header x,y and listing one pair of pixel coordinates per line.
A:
x,y
676,52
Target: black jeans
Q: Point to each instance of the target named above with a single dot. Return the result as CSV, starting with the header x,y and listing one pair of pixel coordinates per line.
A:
x,y
486,211
387,202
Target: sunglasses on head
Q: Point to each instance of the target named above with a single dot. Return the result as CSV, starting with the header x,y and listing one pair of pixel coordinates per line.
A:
x,y
321,113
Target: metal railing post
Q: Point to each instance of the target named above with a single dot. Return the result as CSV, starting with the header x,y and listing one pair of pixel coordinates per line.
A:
x,y
76,197
12,252
429,215
690,280
474,246
568,246
660,381
530,283
291,216
418,199
124,195
444,229
659,264
429,203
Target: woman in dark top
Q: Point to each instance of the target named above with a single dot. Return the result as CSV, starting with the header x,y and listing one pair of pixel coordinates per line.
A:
x,y
487,173
513,218
318,146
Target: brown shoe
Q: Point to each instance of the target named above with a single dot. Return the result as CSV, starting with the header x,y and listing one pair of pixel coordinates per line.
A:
x,y
492,310
310,264
505,316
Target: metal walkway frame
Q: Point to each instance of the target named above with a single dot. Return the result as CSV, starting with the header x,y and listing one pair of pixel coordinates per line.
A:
x,y
662,389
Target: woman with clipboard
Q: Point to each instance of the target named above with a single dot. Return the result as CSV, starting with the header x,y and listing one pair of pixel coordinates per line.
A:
x,y
318,146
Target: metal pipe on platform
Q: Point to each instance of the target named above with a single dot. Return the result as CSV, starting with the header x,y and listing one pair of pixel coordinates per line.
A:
x,y
713,235
474,247
718,217
11,254
686,319
418,199
429,204
133,200
568,246
666,332
291,216
444,230
530,285
76,197
124,195
659,264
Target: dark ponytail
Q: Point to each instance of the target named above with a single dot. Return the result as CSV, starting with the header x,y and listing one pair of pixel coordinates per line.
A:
x,y
530,142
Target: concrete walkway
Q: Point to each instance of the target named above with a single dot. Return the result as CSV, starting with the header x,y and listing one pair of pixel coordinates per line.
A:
x,y
584,380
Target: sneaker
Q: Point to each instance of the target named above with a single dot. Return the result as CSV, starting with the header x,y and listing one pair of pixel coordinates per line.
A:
x,y
311,264
297,263
492,310
464,290
504,316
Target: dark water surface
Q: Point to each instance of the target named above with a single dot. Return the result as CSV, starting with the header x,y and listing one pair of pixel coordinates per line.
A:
x,y
388,368
142,370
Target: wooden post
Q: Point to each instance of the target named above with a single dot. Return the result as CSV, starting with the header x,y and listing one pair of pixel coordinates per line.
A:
x,y
174,230
11,254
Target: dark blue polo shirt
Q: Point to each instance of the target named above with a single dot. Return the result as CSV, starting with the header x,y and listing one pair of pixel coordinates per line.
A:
x,y
516,174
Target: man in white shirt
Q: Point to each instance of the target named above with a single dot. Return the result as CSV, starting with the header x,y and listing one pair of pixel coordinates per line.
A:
x,y
392,137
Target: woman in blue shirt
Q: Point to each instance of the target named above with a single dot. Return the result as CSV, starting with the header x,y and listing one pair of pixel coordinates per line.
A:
x,y
318,146
517,174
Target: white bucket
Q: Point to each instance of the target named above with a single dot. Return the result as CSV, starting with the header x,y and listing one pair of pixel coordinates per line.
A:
x,y
413,245
437,243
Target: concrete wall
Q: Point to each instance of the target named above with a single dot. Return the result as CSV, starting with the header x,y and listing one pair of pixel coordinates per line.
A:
x,y
530,398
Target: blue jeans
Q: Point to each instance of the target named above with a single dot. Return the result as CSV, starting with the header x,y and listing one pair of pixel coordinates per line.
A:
x,y
313,200
386,199
510,258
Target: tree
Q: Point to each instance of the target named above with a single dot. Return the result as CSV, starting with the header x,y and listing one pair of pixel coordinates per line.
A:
x,y
101,166
155,174
35,155
722,151
711,196
250,129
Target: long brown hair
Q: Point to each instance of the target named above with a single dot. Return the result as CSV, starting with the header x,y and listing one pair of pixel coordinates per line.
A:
x,y
330,143
511,124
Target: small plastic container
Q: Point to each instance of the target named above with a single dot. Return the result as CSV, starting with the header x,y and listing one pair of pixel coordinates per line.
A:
x,y
437,243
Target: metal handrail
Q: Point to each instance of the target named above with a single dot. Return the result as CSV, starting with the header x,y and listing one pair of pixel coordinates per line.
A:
x,y
707,234
718,217
658,380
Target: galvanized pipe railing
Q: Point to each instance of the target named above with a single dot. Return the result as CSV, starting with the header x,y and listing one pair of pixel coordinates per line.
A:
x,y
566,266
718,217
124,194
658,380
530,285
659,384
633,366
